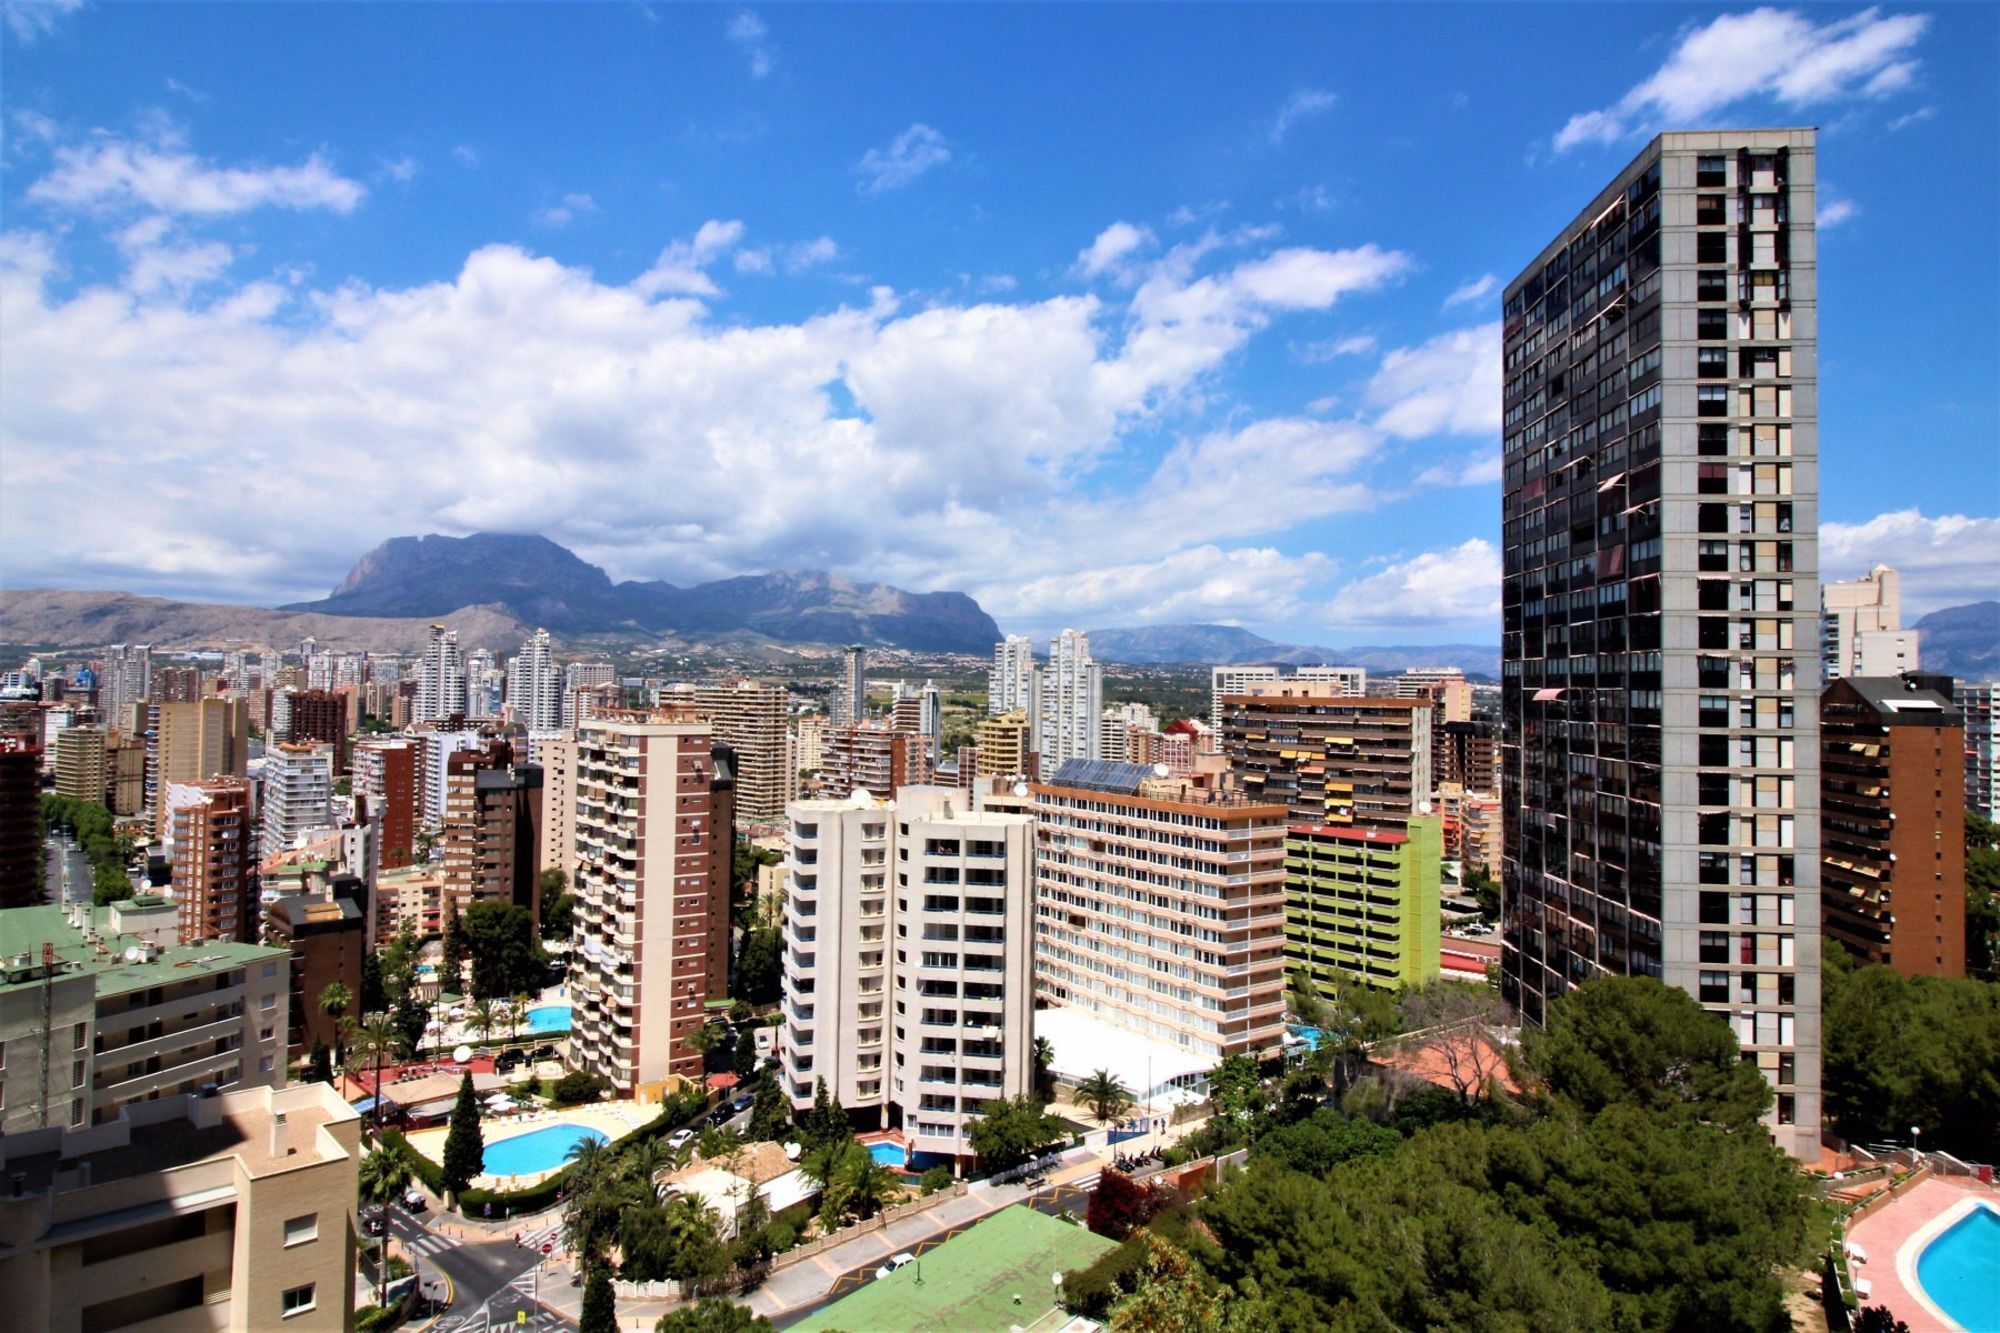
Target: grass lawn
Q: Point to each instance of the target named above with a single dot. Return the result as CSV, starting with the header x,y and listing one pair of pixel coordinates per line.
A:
x,y
970,1281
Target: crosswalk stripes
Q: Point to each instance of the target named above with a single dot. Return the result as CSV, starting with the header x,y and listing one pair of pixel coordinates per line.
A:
x,y
429,1243
1088,1183
524,1284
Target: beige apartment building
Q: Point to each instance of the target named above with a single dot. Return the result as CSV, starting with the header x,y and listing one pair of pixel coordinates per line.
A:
x,y
654,846
1160,925
192,742
101,1010
752,719
1002,743
908,966
230,1213
1331,759
557,839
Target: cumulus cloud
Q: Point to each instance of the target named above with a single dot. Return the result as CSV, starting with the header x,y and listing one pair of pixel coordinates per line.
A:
x,y
908,156
1331,349
111,172
1476,290
1834,212
1301,105
573,206
681,267
1456,586
1945,561
1112,247
751,36
1775,53
1449,385
1203,584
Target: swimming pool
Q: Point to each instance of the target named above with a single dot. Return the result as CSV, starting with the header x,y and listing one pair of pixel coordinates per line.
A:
x,y
549,1018
889,1154
539,1150
1960,1269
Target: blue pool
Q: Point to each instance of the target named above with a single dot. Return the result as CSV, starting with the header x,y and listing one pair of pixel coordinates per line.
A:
x,y
549,1018
1960,1270
888,1154
540,1150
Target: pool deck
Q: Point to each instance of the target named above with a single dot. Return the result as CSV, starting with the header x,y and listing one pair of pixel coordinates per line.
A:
x,y
1895,1234
614,1120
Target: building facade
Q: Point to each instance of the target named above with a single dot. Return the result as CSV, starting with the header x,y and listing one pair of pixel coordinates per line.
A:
x,y
214,859
385,776
1978,704
1861,627
297,796
752,719
1892,826
1331,760
1010,682
1068,719
440,678
1362,903
654,813
1659,729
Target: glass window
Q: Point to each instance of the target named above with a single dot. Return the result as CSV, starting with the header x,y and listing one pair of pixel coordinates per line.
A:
x,y
298,1300
300,1230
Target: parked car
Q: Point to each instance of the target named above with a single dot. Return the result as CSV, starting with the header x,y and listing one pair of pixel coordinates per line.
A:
x,y
895,1262
376,1221
742,1104
545,1052
680,1138
414,1200
721,1115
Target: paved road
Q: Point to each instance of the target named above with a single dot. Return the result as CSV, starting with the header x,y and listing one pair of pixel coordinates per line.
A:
x,y
1074,1196
492,1282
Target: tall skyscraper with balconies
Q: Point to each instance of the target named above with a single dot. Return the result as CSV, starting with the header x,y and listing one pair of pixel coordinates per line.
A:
x,y
751,719
1068,716
298,794
654,809
1010,681
849,704
535,684
440,677
1659,744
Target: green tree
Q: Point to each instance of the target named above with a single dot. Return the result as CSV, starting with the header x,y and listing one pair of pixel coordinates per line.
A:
x,y
457,949
744,1058
826,1123
1045,1058
1635,1040
334,999
1010,1131
1236,1089
374,998
1485,890
600,1304
319,1063
758,963
1982,897
558,914
714,1314
384,1174
771,1111
1323,1140
464,1143
703,1040
376,1042
500,941
1107,1098
517,1013
483,1017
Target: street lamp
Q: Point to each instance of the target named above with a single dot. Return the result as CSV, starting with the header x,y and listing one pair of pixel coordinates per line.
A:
x,y
1917,1140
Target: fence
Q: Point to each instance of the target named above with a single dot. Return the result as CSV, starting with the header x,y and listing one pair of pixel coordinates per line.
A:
x,y
735,1280
875,1223
1034,1168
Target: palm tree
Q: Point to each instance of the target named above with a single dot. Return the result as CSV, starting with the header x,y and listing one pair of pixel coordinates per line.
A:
x,y
517,1013
1045,1056
485,1017
871,1186
594,1201
333,1002
384,1175
703,1040
1107,1098
378,1040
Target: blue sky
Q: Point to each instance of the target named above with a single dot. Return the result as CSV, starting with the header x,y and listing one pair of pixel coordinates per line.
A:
x,y
1107,315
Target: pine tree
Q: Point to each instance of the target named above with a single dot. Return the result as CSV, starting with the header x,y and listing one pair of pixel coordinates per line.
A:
x,y
464,1145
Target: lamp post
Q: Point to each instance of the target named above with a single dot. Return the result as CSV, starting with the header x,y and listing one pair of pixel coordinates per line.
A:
x,y
1917,1140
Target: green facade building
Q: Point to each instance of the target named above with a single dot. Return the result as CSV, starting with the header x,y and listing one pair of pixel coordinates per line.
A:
x,y
1362,903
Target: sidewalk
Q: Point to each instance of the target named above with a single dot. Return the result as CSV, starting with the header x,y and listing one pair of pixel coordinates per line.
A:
x,y
808,1280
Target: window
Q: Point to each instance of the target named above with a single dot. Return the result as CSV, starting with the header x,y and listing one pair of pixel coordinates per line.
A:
x,y
76,1074
1714,988
1711,247
77,1111
1712,400
1710,210
298,1300
1711,285
300,1230
1712,363
1712,325
1711,171
79,1037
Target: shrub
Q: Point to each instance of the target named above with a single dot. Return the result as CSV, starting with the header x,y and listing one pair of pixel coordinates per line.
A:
x,y
1090,1291
781,1236
577,1086
937,1178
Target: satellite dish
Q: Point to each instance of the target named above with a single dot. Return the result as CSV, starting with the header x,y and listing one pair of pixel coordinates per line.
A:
x,y
1162,771
1020,789
463,1055
860,797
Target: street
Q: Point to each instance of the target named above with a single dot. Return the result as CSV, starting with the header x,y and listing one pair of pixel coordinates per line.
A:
x,y
492,1282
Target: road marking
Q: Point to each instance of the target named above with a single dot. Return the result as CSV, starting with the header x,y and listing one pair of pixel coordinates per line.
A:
x,y
429,1243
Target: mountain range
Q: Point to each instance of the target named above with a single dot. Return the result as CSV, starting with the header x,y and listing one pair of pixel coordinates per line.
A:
x,y
1963,641
1231,645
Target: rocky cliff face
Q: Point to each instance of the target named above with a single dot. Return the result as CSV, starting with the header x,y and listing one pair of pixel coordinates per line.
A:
x,y
542,583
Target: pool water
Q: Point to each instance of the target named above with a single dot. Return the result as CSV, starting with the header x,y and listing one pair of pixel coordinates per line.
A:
x,y
539,1150
888,1154
1960,1269
549,1018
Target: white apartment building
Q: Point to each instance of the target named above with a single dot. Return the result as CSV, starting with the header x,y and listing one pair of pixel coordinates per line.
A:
x,y
440,677
1325,681
298,794
1234,680
653,860
1861,627
1068,717
534,685
908,960
1979,704
1010,682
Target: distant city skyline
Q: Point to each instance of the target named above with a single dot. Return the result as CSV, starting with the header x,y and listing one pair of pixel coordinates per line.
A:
x,y
1105,316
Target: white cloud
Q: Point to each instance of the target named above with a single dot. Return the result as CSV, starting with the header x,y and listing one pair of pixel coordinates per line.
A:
x,y
402,170
1459,586
680,268
1448,385
1113,246
1834,212
1300,105
1310,199
1203,584
1481,469
1945,561
749,33
29,20
467,156
158,259
908,156
1917,117
1331,349
573,206
1780,54
766,260
192,94
111,172
1478,289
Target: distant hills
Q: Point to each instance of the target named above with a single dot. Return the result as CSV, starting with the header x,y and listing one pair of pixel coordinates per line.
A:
x,y
1231,645
539,582
495,587
1963,641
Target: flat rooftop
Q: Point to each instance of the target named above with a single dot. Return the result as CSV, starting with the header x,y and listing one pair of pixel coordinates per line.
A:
x,y
27,930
